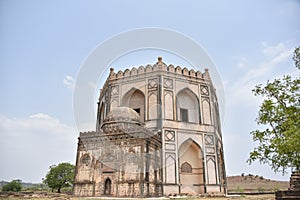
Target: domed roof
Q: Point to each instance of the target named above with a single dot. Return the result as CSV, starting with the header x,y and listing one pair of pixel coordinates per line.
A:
x,y
123,114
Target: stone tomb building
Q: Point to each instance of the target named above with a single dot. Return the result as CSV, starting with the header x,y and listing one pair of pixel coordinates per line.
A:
x,y
158,133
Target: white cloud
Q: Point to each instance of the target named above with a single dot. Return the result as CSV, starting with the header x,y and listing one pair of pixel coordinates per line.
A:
x,y
40,116
272,51
69,82
242,63
240,90
30,145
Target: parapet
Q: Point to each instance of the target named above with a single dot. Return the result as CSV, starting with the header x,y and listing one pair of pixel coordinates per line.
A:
x,y
159,66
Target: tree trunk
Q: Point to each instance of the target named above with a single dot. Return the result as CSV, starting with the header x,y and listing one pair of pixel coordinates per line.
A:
x,y
58,190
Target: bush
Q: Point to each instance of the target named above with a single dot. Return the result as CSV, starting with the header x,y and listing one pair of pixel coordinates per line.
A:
x,y
240,190
14,186
276,188
261,189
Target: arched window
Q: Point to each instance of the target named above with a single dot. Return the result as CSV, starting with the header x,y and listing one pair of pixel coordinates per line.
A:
x,y
187,106
186,168
135,99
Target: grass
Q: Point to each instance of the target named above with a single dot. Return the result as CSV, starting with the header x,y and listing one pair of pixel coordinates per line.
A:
x,y
65,197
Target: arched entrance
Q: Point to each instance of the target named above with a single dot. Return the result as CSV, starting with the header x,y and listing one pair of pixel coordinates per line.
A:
x,y
107,187
191,171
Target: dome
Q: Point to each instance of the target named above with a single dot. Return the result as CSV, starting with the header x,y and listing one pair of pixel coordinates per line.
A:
x,y
123,114
123,120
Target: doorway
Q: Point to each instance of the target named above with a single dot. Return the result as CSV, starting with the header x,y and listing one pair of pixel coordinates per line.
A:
x,y
107,187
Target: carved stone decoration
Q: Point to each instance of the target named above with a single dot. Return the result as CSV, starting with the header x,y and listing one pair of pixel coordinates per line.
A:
x,y
210,150
133,71
127,72
171,68
210,158
186,168
120,74
192,73
141,69
168,83
152,83
185,71
114,90
209,139
178,70
204,90
169,136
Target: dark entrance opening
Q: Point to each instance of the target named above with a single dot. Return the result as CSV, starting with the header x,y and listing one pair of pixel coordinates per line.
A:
x,y
137,110
107,187
184,115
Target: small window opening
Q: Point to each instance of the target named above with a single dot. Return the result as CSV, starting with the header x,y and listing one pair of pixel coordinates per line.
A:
x,y
138,110
184,115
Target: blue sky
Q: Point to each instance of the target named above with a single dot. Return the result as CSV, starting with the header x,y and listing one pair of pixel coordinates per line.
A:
x,y
44,43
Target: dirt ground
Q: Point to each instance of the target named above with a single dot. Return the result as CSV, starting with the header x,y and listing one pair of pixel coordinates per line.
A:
x,y
68,197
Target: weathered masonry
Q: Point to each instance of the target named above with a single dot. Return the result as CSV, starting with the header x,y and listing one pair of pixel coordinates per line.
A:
x,y
158,133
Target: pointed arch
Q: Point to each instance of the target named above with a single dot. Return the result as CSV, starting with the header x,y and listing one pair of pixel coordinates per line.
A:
x,y
152,106
135,99
191,165
187,106
107,187
206,111
168,105
211,168
170,169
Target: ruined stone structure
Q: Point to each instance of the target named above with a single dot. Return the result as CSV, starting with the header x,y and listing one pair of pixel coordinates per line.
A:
x,y
294,190
158,133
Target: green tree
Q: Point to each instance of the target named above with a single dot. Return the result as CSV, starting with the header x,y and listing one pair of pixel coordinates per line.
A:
x,y
279,142
60,176
14,186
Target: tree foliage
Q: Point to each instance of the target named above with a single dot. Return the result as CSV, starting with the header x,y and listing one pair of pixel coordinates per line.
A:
x,y
279,142
14,186
60,176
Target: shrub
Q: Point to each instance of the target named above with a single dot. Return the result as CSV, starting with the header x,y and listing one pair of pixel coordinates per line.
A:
x,y
14,186
240,189
261,189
